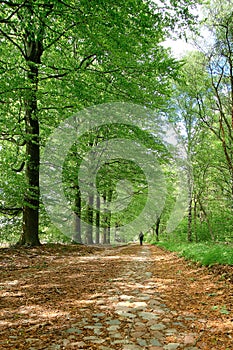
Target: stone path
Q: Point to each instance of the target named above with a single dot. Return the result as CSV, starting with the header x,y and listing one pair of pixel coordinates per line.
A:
x,y
131,316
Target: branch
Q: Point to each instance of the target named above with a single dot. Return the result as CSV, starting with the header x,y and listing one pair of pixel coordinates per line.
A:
x,y
55,76
69,6
59,36
13,13
6,137
13,42
106,71
61,75
18,170
56,108
200,103
10,3
87,58
11,211
231,76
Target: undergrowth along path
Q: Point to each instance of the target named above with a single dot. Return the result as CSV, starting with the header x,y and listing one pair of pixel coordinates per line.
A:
x,y
132,297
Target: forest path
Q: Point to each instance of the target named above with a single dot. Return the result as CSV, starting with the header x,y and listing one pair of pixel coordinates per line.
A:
x,y
131,297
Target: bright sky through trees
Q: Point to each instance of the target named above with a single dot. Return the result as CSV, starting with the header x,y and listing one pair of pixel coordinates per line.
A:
x,y
179,47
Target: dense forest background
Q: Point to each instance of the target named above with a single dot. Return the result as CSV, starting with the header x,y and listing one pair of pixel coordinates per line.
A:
x,y
59,57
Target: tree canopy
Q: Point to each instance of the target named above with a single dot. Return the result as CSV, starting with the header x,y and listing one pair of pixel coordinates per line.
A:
x,y
61,57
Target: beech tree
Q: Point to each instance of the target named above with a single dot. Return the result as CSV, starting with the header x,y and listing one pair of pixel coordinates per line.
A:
x,y
58,57
108,177
206,99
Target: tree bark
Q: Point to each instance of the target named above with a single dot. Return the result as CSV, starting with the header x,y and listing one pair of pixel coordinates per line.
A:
x,y
157,229
104,237
97,220
190,203
109,215
89,232
195,219
77,237
33,50
109,228
190,220
30,233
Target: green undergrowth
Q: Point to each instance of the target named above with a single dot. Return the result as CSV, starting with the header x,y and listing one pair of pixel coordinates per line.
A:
x,y
206,254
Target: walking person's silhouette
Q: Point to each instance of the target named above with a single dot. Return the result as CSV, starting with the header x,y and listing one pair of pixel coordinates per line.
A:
x,y
141,236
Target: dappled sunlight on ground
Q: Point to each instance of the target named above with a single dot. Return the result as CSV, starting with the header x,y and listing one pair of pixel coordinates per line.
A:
x,y
45,292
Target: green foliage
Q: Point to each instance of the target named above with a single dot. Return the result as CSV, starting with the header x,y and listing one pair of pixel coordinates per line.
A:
x,y
90,52
51,234
83,53
206,254
10,229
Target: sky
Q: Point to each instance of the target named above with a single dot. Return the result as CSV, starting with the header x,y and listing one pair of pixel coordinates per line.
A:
x,y
178,47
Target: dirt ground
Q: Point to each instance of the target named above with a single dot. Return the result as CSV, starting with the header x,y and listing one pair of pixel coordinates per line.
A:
x,y
46,290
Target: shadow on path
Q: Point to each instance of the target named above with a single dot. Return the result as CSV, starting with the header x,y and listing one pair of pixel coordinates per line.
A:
x,y
113,298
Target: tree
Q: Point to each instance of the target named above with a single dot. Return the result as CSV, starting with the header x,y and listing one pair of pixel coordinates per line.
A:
x,y
62,56
219,63
117,180
193,83
204,106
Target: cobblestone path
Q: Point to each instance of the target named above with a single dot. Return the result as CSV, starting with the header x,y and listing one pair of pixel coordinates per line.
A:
x,y
130,314
104,298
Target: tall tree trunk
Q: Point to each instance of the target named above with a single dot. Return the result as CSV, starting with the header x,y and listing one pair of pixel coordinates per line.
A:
x,y
190,203
89,232
97,221
77,217
109,214
109,228
104,237
195,218
116,238
30,233
157,229
190,220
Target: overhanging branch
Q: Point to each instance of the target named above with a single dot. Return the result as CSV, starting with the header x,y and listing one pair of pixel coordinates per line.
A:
x,y
11,211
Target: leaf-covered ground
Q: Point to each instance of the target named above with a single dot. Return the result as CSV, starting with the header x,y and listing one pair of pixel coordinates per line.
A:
x,y
132,297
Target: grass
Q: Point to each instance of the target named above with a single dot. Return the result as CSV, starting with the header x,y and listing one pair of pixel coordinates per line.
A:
x,y
206,254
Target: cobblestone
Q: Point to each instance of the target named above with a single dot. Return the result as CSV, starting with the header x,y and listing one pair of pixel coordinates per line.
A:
x,y
141,320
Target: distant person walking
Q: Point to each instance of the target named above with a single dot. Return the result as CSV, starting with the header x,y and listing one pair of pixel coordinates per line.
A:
x,y
141,236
